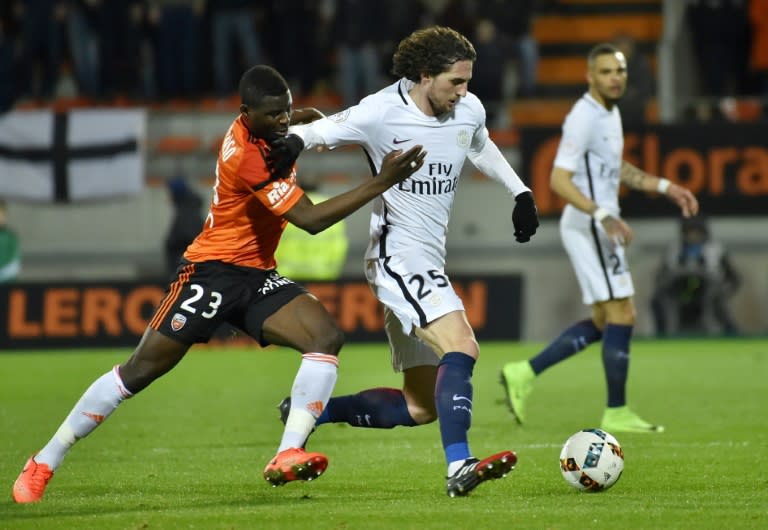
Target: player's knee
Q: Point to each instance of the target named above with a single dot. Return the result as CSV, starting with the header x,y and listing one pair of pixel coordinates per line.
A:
x,y
422,415
330,340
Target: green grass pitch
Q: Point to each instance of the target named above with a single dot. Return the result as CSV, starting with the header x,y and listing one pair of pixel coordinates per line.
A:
x,y
189,451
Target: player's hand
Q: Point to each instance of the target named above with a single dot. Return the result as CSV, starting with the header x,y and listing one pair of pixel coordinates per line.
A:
x,y
306,115
684,199
283,153
618,230
525,218
398,166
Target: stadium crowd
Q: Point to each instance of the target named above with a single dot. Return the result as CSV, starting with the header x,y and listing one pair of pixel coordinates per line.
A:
x,y
163,50
157,50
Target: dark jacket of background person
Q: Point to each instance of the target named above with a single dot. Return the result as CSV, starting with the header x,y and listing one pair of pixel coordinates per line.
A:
x,y
186,224
693,284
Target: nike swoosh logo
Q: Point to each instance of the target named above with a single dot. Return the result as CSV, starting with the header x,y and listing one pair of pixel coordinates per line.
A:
x,y
396,141
456,397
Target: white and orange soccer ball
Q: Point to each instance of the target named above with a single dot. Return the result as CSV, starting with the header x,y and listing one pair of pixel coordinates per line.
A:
x,y
591,460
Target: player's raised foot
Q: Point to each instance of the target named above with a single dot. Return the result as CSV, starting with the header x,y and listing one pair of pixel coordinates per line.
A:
x,y
474,472
30,485
622,419
294,464
517,380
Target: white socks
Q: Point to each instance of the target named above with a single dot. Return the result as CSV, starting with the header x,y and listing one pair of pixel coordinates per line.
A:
x,y
311,391
96,404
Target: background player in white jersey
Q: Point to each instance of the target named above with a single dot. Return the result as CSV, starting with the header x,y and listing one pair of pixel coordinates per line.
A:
x,y
431,340
587,172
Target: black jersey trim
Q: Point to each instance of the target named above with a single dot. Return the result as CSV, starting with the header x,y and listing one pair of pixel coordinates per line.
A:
x,y
593,229
400,92
406,294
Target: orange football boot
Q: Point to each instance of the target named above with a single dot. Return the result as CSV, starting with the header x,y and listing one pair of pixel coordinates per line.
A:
x,y
294,464
30,485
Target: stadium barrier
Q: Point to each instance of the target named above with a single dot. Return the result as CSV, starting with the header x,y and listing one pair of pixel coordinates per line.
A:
x,y
78,315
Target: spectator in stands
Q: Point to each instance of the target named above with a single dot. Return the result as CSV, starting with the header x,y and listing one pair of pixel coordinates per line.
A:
x,y
234,21
720,31
41,26
488,74
177,26
7,48
640,88
85,20
693,284
514,23
186,224
123,36
758,16
10,252
359,47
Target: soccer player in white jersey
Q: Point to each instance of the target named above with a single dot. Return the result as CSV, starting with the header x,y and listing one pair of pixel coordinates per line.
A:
x,y
587,172
431,340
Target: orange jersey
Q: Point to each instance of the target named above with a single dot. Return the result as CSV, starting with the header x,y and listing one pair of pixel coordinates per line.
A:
x,y
244,223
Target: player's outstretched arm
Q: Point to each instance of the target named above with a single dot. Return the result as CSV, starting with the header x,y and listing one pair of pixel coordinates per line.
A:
x,y
640,180
396,167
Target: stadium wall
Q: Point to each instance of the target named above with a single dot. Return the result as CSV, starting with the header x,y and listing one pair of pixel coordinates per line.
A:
x,y
122,240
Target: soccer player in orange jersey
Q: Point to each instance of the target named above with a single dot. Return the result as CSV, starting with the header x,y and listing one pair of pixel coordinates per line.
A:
x,y
228,274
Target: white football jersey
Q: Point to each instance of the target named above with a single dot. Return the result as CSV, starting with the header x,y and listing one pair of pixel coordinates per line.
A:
x,y
414,213
591,146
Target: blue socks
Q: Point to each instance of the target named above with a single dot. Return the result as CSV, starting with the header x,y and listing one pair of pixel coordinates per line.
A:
x,y
381,408
616,362
453,398
571,341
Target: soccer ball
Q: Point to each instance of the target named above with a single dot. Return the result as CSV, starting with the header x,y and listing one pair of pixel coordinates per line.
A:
x,y
591,460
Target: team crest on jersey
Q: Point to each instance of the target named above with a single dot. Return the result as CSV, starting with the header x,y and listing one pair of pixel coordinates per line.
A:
x,y
462,139
178,321
435,300
339,116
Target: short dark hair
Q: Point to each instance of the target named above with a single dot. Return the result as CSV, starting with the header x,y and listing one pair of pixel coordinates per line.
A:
x,y
261,81
604,48
431,51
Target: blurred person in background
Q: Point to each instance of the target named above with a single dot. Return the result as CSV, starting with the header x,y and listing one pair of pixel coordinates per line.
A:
x,y
234,22
186,223
488,73
177,27
229,275
10,250
304,256
694,283
513,21
8,86
721,40
588,170
358,47
85,24
758,17
42,30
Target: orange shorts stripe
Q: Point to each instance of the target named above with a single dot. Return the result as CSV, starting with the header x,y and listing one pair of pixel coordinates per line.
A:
x,y
172,296
322,357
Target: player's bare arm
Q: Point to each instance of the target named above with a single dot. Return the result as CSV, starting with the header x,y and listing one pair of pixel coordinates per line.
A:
x,y
305,115
638,179
396,167
561,182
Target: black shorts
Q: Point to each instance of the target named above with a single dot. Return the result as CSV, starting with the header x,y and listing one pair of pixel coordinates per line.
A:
x,y
205,295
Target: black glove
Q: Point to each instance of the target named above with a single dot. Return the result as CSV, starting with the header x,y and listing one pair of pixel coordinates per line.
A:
x,y
283,154
524,217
